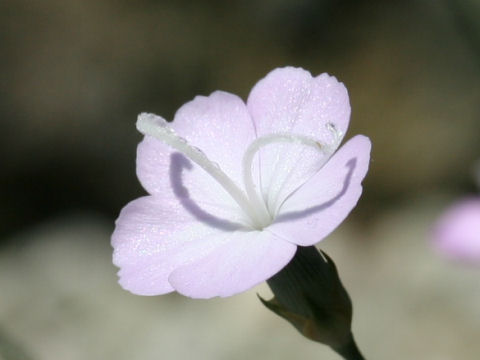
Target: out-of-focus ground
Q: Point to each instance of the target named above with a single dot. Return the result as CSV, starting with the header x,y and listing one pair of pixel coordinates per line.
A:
x,y
74,75
60,299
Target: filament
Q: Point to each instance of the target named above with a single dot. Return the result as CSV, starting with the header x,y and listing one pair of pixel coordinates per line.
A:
x,y
156,126
249,200
266,140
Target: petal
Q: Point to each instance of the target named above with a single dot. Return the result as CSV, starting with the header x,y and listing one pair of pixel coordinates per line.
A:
x,y
321,204
457,232
222,128
284,167
291,100
154,235
247,259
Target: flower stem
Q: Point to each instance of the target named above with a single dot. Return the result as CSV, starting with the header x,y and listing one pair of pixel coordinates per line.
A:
x,y
350,351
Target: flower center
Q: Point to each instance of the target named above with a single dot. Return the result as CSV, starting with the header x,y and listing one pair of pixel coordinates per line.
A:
x,y
249,200
263,141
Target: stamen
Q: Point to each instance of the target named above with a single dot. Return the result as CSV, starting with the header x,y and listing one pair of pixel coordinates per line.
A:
x,y
156,126
337,135
256,145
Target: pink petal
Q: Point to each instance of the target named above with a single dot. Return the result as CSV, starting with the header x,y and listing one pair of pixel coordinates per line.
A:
x,y
219,125
248,259
457,232
321,204
156,234
291,100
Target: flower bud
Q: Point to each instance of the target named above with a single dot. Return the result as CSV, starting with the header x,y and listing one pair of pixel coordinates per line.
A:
x,y
309,294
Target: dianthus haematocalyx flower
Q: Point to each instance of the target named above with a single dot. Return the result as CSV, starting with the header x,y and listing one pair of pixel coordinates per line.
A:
x,y
457,231
235,188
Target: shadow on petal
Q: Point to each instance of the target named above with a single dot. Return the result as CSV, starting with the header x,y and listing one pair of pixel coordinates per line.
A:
x,y
178,163
293,215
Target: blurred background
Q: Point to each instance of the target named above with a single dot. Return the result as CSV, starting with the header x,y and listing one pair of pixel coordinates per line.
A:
x,y
74,74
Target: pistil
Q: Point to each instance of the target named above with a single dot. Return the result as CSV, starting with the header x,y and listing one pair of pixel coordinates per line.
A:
x,y
256,145
156,126
249,201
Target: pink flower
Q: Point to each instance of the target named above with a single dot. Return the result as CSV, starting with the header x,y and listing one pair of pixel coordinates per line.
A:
x,y
457,232
235,187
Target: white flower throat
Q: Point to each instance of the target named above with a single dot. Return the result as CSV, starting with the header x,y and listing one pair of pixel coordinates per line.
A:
x,y
251,203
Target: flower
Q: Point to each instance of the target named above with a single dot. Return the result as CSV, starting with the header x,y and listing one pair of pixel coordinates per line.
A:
x,y
457,231
235,188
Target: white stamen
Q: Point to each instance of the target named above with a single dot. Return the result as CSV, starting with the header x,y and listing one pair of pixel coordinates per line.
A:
x,y
337,135
251,204
156,126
